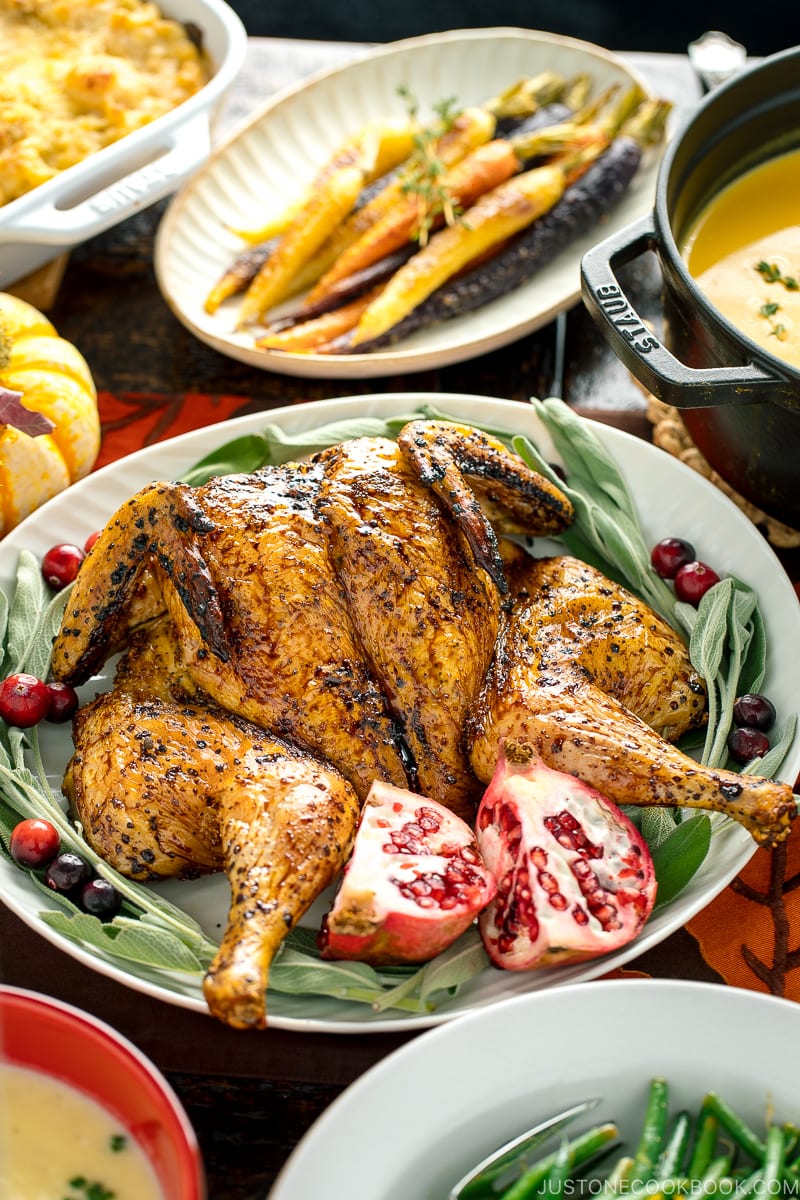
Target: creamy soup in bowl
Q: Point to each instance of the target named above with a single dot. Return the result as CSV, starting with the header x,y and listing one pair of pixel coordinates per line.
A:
x,y
88,1150
84,1115
744,253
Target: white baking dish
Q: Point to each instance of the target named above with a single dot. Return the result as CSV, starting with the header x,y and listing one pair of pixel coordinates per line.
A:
x,y
132,173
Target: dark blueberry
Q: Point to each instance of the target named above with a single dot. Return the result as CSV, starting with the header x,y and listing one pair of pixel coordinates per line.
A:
x,y
100,898
755,710
66,872
746,743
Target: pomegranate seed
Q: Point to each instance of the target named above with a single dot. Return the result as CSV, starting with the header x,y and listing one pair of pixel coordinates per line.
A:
x,y
61,564
671,553
24,700
63,702
34,843
90,541
754,710
693,580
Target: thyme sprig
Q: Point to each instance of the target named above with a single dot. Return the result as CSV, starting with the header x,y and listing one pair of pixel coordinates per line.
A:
x,y
423,177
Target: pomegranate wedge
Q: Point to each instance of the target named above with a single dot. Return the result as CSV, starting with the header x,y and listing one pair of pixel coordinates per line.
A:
x,y
574,877
414,882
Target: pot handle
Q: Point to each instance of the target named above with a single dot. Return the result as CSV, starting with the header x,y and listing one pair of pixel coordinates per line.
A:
x,y
634,343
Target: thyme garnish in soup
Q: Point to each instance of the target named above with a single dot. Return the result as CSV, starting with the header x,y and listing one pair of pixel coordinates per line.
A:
x,y
744,253
57,1142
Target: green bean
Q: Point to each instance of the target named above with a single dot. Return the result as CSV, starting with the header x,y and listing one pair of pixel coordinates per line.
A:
x,y
672,1156
772,1169
580,1148
560,1171
618,1176
706,1133
717,1170
741,1133
651,1138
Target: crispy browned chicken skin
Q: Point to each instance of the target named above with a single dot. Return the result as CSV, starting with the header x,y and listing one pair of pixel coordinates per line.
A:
x,y
592,678
169,787
296,633
270,581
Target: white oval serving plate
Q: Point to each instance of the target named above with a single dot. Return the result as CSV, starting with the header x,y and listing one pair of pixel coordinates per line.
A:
x,y
673,500
250,179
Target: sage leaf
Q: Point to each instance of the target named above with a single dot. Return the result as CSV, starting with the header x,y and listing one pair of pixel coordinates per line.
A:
x,y
656,825
239,456
301,974
123,938
30,598
679,856
455,966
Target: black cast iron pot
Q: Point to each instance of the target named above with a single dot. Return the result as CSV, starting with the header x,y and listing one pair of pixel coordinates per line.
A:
x,y
740,404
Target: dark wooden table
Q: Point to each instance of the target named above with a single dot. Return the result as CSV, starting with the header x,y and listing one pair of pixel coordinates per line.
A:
x,y
252,1096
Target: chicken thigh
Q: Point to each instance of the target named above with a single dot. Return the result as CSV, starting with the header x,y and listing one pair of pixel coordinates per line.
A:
x,y
170,788
591,678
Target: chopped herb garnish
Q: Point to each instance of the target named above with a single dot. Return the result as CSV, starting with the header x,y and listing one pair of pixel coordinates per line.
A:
x,y
778,331
84,1190
769,310
117,1142
772,273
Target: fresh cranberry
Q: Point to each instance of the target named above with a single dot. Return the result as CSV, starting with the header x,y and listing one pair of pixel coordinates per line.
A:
x,y
24,700
754,710
100,898
66,872
746,743
34,843
693,580
61,564
90,541
671,553
63,703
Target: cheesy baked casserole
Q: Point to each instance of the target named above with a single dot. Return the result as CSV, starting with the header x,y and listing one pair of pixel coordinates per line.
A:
x,y
77,75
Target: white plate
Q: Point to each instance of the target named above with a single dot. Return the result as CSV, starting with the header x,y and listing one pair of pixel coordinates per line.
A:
x,y
423,1116
673,500
278,152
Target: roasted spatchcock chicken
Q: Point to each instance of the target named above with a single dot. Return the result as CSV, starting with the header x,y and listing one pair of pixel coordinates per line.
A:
x,y
291,635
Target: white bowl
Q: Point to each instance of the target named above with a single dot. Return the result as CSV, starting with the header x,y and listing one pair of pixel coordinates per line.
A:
x,y
134,172
418,1121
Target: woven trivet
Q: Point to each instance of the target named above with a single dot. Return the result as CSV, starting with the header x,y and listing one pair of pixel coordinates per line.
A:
x,y
670,433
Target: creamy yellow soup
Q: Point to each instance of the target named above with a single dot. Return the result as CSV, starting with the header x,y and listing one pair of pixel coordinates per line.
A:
x,y
744,253
52,1137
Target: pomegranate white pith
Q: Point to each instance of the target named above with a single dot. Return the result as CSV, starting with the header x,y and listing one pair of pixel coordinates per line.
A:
x,y
574,877
414,882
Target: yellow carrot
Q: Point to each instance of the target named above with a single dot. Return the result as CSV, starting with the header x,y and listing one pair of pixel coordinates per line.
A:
x,y
319,216
497,215
388,143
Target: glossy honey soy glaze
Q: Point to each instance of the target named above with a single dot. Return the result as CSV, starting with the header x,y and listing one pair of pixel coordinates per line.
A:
x,y
744,252
82,1151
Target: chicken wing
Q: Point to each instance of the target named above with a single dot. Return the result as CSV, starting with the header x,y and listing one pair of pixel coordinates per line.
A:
x,y
261,622
571,677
